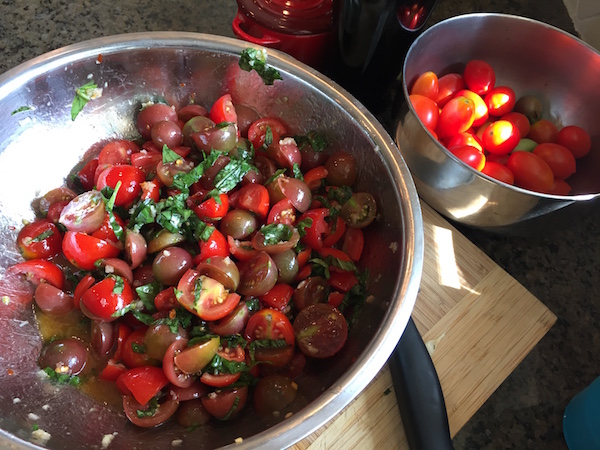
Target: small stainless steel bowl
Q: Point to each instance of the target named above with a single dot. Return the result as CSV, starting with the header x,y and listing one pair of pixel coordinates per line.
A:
x,y
40,145
533,58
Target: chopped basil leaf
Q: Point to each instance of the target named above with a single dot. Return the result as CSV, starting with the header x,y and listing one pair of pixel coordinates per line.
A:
x,y
147,293
109,196
42,236
168,155
253,304
197,291
320,267
340,194
276,232
183,181
230,175
268,137
182,319
146,319
297,172
21,109
315,139
119,284
219,365
303,225
138,348
203,337
274,176
265,343
150,410
233,341
355,299
83,95
252,58
62,378
142,214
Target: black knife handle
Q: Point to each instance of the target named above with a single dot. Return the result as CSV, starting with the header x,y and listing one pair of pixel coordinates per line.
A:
x,y
419,394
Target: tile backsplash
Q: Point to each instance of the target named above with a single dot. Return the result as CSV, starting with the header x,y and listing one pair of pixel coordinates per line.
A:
x,y
586,19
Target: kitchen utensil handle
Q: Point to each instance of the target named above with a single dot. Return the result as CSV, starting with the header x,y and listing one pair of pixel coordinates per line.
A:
x,y
419,394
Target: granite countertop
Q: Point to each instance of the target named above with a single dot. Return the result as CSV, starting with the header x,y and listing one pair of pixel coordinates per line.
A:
x,y
561,269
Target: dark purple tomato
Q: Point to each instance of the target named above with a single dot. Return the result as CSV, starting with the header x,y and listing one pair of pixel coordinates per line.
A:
x,y
287,266
245,117
51,300
151,115
195,125
102,336
192,413
170,264
225,404
321,330
166,133
64,356
163,412
341,169
274,393
238,223
311,291
222,269
233,323
222,137
159,337
258,276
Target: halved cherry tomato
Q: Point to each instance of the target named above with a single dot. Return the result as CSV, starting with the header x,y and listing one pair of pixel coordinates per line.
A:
x,y
278,297
254,198
123,332
205,297
38,270
166,299
150,190
353,243
215,245
209,209
86,174
117,152
112,370
321,330
223,110
342,280
258,130
193,359
130,178
269,324
335,233
226,404
164,410
335,298
319,227
219,380
144,382
83,250
282,212
146,160
106,231
241,250
40,239
105,298
315,176
84,284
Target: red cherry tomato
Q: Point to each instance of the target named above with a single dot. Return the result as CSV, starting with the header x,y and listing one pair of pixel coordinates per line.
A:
x,y
209,209
448,86
223,110
518,120
40,239
84,284
530,171
464,138
543,131
38,270
106,231
117,152
500,137
318,228
576,139
426,109
269,324
83,250
86,174
481,109
144,382
112,370
456,117
353,243
219,380
130,178
282,212
470,156
215,245
498,171
278,297
146,160
254,198
500,100
226,404
105,298
560,187
559,158
479,76
133,352
257,131
426,84
241,250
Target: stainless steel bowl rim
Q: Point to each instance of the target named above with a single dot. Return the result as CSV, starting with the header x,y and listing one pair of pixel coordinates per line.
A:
x,y
369,363
470,16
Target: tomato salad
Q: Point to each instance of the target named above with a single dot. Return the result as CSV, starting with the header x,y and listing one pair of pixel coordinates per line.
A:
x,y
210,259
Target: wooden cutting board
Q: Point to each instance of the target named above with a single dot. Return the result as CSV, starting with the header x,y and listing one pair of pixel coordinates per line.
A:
x,y
481,323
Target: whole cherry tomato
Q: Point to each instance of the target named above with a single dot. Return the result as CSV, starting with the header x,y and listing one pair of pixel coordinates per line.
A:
x,y
426,109
464,138
500,100
498,171
500,137
470,156
576,139
558,157
543,131
456,117
448,86
481,109
427,85
518,120
479,76
530,171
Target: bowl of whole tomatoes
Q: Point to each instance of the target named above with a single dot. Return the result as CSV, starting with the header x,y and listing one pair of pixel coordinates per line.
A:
x,y
203,245
496,122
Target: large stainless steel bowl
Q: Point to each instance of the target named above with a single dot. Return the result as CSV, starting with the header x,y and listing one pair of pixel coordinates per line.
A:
x,y
39,147
533,58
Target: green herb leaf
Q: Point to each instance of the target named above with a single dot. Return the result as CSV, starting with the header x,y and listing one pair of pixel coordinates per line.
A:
x,y
315,139
252,58
297,172
253,304
182,319
303,225
219,365
150,410
168,155
276,232
21,109
265,343
183,181
83,95
62,378
42,236
147,293
230,175
274,176
119,284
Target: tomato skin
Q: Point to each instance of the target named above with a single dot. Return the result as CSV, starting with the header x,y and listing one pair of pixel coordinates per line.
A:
x,y
560,187
210,209
319,227
481,108
498,171
500,137
530,171
278,297
427,85
257,131
559,158
164,411
117,152
112,371
576,139
215,245
226,403
36,270
470,156
448,86
456,117
543,131
103,299
500,100
282,212
144,382
464,138
219,380
86,174
83,250
223,110
130,178
479,76
426,109
321,330
84,284
518,120
353,243
269,324
254,198
40,239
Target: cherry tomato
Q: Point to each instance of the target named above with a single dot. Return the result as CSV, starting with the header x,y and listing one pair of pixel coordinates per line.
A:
x,y
106,231
205,297
215,245
479,76
314,177
500,100
543,131
117,152
40,239
254,198
470,156
448,86
500,137
426,84
176,376
274,393
223,110
130,178
83,250
269,324
241,250
530,171
498,171
112,370
481,109
342,280
576,139
560,187
353,243
257,132
150,190
146,160
319,227
321,330
210,209
164,410
144,382
84,213
456,117
105,298
518,120
226,404
193,359
86,174
38,270
84,284
282,212
219,380
426,109
278,297
464,138
559,158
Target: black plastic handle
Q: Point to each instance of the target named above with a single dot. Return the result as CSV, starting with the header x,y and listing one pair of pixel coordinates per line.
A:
x,y
419,393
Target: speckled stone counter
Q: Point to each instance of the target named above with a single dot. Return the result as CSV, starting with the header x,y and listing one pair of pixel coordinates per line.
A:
x,y
561,269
